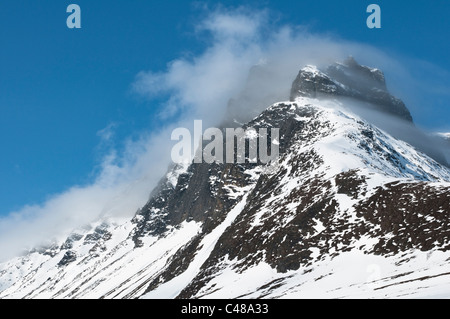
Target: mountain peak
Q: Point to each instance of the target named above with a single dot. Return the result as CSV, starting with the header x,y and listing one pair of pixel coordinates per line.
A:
x,y
349,79
343,199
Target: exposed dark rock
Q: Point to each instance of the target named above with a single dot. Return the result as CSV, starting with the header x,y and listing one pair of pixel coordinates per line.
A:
x,y
413,215
100,233
48,250
178,263
68,258
68,244
350,183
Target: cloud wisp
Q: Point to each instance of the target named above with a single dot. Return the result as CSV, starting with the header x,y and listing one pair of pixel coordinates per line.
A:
x,y
247,64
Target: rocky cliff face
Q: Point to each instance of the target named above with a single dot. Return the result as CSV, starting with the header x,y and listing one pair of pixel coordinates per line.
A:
x,y
349,79
345,211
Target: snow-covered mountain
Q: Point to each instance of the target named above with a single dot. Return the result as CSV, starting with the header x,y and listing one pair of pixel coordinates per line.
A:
x,y
346,210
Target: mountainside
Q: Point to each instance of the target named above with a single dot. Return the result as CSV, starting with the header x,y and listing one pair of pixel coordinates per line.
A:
x,y
345,211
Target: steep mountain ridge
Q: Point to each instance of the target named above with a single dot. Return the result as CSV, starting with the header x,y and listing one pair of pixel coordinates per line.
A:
x,y
345,211
298,214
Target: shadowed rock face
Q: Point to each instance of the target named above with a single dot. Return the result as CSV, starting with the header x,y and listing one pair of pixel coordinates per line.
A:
x,y
349,79
68,258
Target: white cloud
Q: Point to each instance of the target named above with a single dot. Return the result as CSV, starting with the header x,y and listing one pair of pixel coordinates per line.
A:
x,y
234,25
120,189
202,86
107,133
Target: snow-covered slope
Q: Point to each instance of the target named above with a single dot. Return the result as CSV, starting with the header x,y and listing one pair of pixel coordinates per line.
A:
x,y
336,207
345,211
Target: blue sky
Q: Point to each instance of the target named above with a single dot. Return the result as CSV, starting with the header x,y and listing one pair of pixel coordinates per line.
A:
x,y
59,88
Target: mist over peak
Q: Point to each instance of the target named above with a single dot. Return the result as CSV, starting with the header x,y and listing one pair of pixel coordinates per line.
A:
x,y
363,90
360,88
349,79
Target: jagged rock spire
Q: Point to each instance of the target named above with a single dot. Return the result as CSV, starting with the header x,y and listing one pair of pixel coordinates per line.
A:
x,y
349,79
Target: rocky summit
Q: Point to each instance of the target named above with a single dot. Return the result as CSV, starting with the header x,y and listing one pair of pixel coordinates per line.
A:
x,y
345,211
349,79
